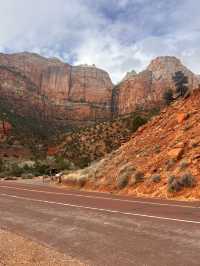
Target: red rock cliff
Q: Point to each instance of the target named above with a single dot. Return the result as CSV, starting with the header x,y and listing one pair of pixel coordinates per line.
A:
x,y
71,95
146,89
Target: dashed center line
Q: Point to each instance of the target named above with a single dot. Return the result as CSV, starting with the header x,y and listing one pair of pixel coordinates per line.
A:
x,y
101,209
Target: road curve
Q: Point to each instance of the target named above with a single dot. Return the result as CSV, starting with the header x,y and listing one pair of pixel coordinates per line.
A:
x,y
103,229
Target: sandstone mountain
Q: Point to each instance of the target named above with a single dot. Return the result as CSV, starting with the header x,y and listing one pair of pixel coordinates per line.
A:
x,y
57,95
54,92
146,89
162,155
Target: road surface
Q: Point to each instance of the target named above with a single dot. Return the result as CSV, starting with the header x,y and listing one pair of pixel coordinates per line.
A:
x,y
102,229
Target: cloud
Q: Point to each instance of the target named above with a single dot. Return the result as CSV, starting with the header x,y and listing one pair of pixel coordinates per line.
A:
x,y
117,36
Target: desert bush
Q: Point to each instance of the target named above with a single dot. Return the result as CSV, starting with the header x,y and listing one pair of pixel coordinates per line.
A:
x,y
137,178
173,184
122,181
156,178
187,180
125,172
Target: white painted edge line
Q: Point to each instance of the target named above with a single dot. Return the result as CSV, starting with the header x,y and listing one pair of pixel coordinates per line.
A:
x,y
101,210
104,198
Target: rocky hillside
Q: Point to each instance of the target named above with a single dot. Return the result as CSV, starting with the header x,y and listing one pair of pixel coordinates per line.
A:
x,y
162,159
92,143
146,89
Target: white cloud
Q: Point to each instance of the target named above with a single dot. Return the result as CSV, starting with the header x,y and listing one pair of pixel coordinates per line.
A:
x,y
117,35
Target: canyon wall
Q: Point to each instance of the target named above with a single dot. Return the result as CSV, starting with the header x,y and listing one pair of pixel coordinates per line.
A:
x,y
62,94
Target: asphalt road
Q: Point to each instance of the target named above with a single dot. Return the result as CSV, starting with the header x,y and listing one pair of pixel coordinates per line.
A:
x,y
102,229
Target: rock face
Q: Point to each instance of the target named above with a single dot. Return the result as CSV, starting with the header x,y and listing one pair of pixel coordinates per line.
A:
x,y
63,94
146,89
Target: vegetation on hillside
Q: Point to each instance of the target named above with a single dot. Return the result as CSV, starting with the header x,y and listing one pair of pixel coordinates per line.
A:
x,y
29,169
92,143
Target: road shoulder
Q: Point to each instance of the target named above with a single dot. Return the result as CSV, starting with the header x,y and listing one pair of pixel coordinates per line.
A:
x,y
16,251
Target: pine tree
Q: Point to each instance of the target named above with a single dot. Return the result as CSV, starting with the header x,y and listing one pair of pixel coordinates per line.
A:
x,y
181,83
168,96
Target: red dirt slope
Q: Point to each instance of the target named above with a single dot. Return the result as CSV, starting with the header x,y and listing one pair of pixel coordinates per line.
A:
x,y
168,145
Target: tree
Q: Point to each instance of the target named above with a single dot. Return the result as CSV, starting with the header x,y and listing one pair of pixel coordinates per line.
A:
x,y
181,83
168,96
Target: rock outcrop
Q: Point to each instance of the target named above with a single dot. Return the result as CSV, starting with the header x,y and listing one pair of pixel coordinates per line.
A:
x,y
146,89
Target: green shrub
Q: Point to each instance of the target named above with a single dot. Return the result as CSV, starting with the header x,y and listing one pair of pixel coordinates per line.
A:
x,y
137,122
41,168
63,164
84,161
16,170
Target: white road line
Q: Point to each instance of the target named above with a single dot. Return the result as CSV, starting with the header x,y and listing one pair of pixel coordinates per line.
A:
x,y
101,210
104,198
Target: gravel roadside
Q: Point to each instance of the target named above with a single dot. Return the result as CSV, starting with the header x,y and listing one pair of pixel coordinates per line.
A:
x,y
16,251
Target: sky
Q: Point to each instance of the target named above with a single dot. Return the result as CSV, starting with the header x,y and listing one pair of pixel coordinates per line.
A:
x,y
115,35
